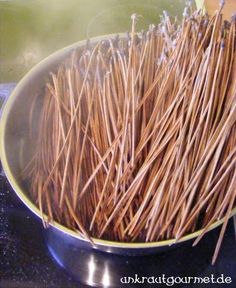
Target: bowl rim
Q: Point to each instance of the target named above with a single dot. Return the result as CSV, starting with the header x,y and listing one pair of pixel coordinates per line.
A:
x,y
20,192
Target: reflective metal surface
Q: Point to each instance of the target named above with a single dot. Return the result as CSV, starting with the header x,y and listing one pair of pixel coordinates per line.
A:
x,y
98,269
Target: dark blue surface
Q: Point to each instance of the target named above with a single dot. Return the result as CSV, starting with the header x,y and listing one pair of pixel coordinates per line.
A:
x,y
25,260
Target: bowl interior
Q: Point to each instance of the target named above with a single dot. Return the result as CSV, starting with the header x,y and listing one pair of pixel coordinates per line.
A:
x,y
16,149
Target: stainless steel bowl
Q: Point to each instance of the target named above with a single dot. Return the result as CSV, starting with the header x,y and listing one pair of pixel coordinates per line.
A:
x,y
15,151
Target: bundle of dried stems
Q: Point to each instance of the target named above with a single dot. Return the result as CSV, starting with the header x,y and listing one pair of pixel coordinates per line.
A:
x,y
137,134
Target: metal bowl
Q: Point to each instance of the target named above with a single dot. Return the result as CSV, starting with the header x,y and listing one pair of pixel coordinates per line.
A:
x,y
15,151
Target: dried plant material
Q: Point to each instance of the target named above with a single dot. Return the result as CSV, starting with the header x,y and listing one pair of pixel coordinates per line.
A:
x,y
137,134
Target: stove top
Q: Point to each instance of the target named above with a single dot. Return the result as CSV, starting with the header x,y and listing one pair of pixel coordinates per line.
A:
x,y
25,260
